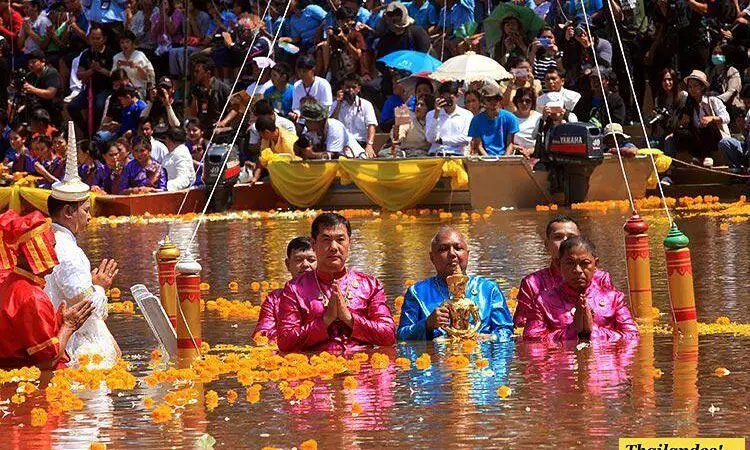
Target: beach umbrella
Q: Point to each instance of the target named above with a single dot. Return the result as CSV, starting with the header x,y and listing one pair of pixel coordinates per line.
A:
x,y
530,22
471,67
410,61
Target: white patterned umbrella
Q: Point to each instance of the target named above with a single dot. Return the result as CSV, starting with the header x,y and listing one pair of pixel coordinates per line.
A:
x,y
471,67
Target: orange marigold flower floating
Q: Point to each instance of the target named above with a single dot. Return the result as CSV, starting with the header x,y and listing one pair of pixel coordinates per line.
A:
x,y
403,363
309,444
255,286
148,402
399,228
204,286
38,417
379,361
253,393
264,285
212,400
724,226
468,345
274,285
723,320
260,340
234,287
356,409
18,399
458,362
350,383
156,356
161,413
721,372
115,293
481,363
98,446
232,396
658,373
503,392
424,362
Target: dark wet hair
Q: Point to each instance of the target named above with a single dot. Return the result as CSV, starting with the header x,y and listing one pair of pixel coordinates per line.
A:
x,y
558,219
329,220
575,242
298,244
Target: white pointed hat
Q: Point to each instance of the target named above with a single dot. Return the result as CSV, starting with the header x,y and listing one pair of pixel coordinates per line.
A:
x,y
71,188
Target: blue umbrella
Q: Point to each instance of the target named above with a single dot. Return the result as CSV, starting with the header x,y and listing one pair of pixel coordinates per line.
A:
x,y
411,61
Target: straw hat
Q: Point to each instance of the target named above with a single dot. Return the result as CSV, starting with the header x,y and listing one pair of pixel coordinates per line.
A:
x,y
71,188
697,75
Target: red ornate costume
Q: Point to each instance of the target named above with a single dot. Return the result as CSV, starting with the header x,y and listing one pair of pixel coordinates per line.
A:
x,y
28,324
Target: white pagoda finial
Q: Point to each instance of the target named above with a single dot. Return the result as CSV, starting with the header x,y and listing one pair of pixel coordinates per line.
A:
x,y
71,188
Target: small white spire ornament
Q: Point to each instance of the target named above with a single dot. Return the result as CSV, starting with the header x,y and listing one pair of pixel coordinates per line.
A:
x,y
71,188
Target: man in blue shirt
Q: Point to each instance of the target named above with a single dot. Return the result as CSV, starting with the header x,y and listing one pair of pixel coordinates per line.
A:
x,y
281,93
132,107
304,23
424,316
423,12
492,131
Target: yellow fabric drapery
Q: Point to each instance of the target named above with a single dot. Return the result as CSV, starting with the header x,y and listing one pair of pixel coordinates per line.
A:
x,y
10,198
301,184
400,184
661,161
392,184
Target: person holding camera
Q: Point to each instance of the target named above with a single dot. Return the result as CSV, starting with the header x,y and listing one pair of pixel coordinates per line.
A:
x,y
43,86
159,106
580,51
544,53
342,53
523,77
447,127
356,113
209,94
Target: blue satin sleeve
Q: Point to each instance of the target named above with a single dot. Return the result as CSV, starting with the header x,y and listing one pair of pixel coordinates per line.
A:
x,y
501,321
412,325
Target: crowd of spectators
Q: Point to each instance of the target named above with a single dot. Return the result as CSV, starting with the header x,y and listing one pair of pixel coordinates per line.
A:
x,y
149,84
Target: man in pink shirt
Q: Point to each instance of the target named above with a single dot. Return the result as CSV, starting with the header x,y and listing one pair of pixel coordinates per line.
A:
x,y
578,308
333,308
300,258
558,230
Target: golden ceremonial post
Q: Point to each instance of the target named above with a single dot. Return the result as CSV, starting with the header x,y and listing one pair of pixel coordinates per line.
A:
x,y
680,280
189,308
685,384
638,261
166,260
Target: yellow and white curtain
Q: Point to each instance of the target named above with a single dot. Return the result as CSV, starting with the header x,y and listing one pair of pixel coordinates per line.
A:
x,y
392,184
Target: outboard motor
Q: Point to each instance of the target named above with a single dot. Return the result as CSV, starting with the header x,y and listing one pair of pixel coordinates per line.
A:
x,y
576,149
227,178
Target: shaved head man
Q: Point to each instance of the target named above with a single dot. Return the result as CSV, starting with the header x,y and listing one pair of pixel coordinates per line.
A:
x,y
423,317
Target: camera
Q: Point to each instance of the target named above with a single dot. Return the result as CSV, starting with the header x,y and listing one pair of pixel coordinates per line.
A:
x,y
18,78
200,92
349,97
661,116
545,42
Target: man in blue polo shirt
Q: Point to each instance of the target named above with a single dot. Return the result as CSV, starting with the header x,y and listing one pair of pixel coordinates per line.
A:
x,y
492,131
304,23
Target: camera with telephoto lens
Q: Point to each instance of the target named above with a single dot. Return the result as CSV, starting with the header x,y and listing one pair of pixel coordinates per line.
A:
x,y
18,78
661,117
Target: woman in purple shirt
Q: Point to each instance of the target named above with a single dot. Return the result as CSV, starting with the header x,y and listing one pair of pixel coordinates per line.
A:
x,y
142,174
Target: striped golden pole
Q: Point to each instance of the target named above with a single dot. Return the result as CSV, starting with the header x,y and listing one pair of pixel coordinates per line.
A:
x,y
638,260
189,308
166,260
680,280
685,384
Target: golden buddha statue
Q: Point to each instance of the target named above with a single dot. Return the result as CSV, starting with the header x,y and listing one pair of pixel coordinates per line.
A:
x,y
461,309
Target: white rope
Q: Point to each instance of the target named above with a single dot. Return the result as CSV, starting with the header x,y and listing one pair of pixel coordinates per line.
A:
x,y
236,80
445,20
606,103
239,129
640,115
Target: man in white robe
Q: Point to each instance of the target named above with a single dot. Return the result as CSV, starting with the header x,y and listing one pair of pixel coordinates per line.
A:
x,y
73,280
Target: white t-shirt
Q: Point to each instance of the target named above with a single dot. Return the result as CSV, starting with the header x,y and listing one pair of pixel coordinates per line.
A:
x,y
356,117
337,140
179,166
281,122
261,89
569,98
526,127
158,150
320,89
139,59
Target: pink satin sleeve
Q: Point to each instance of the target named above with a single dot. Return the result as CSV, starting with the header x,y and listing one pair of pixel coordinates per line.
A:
x,y
377,327
624,327
299,328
